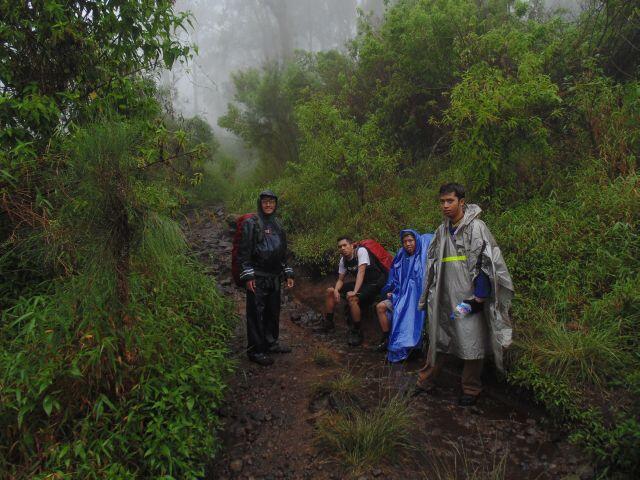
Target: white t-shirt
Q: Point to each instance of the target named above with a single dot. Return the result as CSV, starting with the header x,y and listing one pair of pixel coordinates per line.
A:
x,y
363,259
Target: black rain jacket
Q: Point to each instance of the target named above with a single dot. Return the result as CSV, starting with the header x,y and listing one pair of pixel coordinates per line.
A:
x,y
263,247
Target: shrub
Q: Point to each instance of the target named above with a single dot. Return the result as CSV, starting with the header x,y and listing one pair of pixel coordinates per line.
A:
x,y
114,369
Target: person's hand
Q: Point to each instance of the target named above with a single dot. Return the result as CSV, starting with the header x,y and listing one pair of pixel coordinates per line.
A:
x,y
389,295
351,294
290,282
251,286
336,295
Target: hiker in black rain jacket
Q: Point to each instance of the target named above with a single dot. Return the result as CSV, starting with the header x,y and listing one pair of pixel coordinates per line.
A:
x,y
262,259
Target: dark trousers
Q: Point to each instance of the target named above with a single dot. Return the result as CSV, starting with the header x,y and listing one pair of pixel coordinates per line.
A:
x,y
263,314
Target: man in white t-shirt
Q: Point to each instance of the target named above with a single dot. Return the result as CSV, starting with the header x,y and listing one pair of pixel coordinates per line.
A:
x,y
369,278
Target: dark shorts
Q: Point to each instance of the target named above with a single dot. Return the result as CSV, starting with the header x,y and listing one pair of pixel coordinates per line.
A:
x,y
367,294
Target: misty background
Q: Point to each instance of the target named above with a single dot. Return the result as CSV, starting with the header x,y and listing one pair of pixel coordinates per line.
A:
x,y
233,35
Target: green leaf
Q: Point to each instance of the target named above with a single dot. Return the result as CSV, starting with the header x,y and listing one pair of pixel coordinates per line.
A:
x,y
47,404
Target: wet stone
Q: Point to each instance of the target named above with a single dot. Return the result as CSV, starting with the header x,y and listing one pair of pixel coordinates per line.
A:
x,y
237,430
258,416
585,472
236,466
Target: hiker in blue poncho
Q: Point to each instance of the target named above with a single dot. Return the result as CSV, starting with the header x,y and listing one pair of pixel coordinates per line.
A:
x,y
400,320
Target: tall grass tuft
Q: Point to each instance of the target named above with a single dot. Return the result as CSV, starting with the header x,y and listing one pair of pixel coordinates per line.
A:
x,y
343,386
322,357
361,439
460,466
573,350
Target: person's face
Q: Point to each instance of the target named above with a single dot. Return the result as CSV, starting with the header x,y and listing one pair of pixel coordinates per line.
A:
x,y
268,205
409,244
345,248
451,206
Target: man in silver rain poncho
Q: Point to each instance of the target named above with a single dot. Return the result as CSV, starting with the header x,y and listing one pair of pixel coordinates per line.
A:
x,y
467,293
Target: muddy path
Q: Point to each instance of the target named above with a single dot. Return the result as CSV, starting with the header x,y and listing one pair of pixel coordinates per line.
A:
x,y
271,415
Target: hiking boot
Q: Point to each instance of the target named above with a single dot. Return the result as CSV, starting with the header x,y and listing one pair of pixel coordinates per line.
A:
x,y
326,326
418,389
355,337
279,348
261,359
414,354
383,344
467,400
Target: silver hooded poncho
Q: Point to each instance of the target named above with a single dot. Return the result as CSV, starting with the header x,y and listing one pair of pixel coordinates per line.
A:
x,y
452,265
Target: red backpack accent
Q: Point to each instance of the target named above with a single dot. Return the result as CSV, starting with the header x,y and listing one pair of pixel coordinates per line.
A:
x,y
235,268
384,258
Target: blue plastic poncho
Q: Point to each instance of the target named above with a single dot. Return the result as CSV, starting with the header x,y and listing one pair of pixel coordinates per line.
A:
x,y
405,285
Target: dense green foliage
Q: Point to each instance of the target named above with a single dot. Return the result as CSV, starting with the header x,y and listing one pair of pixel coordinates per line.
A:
x,y
539,116
112,339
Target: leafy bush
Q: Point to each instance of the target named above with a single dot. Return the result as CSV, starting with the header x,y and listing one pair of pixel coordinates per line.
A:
x,y
112,340
74,403
114,369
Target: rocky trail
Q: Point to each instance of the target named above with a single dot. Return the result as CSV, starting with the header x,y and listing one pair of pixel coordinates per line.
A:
x,y
271,415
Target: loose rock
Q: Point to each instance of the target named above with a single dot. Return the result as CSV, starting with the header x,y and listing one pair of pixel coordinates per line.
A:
x,y
236,466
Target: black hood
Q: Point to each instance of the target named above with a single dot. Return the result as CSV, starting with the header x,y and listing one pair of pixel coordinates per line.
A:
x,y
266,193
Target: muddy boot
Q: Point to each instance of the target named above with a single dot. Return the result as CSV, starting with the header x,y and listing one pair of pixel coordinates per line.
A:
x,y
261,359
355,336
466,400
327,324
383,343
279,347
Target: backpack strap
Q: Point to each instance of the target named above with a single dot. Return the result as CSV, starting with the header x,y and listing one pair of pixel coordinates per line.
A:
x,y
259,228
479,260
374,261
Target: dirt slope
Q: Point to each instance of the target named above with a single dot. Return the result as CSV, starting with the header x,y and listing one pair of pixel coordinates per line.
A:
x,y
270,416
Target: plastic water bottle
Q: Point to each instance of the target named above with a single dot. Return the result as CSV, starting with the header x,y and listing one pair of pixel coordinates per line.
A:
x,y
462,310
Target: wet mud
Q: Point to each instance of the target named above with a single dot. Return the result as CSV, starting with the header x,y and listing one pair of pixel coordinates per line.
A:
x,y
270,415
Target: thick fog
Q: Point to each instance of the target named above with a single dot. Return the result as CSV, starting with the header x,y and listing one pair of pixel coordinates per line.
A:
x,y
236,34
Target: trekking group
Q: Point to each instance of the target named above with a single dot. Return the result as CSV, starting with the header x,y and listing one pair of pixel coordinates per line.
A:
x,y
453,284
